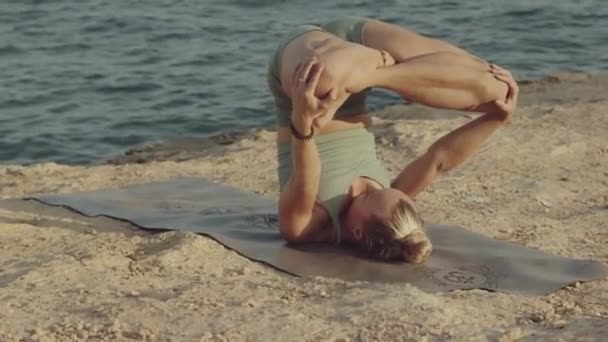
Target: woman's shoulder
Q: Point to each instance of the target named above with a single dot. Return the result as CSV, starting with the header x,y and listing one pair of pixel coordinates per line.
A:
x,y
323,228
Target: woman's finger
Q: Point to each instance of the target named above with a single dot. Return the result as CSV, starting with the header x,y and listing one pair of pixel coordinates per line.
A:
x,y
513,89
296,75
305,71
505,78
500,72
496,73
313,79
502,105
333,95
298,79
515,86
498,69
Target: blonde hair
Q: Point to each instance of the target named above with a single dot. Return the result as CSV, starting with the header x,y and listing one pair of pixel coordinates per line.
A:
x,y
402,237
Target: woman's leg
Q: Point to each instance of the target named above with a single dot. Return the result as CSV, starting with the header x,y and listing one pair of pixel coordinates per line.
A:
x,y
431,71
443,80
402,43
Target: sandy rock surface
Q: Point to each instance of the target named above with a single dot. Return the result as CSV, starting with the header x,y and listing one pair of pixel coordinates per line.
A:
x,y
541,181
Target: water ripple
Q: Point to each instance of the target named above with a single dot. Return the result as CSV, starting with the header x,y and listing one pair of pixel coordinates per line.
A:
x,y
8,50
129,88
524,13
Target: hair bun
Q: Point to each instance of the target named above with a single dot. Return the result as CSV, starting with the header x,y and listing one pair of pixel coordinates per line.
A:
x,y
416,247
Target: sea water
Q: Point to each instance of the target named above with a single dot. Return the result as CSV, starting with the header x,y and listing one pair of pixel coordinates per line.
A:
x,y
85,80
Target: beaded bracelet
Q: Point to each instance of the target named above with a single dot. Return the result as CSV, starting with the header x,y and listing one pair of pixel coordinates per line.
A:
x,y
301,137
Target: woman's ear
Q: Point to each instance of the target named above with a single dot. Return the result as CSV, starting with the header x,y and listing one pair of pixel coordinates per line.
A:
x,y
357,232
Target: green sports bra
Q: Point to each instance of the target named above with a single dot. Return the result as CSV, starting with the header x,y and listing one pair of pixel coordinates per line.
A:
x,y
345,156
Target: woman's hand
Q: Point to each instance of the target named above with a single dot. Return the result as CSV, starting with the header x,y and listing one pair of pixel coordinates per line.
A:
x,y
506,107
307,109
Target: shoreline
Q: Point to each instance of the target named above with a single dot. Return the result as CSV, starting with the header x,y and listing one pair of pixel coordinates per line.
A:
x,y
554,83
555,87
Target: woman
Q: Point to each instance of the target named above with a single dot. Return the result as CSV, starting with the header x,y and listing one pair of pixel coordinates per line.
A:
x,y
333,188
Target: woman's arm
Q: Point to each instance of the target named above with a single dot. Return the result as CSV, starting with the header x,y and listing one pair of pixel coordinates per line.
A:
x,y
298,221
454,148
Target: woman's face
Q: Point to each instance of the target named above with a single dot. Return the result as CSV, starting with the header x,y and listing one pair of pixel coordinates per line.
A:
x,y
377,204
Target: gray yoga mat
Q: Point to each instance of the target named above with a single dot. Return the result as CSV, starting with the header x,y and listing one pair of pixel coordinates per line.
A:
x,y
247,224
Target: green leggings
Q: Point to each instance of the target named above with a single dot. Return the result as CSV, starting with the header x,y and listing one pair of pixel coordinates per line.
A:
x,y
349,29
